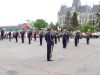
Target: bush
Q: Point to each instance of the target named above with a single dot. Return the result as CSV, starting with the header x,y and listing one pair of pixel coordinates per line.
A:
x,y
87,26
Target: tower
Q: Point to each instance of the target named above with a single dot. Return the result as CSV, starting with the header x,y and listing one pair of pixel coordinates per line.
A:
x,y
76,4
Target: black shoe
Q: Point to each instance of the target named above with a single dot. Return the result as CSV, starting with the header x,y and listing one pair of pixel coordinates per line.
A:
x,y
64,47
49,60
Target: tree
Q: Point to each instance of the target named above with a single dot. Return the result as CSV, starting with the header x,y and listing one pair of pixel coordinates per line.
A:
x,y
70,28
31,24
53,26
98,18
87,26
40,23
68,18
74,20
57,25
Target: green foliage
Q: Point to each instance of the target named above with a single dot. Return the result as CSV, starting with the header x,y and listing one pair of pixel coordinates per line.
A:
x,y
40,23
1,28
87,26
53,26
68,18
65,26
71,28
57,25
98,29
74,20
98,18
32,24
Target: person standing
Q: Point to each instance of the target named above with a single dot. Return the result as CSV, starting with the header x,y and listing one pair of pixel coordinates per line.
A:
x,y
78,34
41,38
49,44
35,36
9,35
30,36
65,38
88,37
16,36
76,40
68,36
59,36
22,35
55,36
2,34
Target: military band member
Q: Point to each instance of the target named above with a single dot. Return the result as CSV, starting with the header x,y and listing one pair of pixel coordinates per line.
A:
x,y
9,35
88,37
49,44
2,34
76,40
30,36
22,35
65,38
16,36
41,37
35,36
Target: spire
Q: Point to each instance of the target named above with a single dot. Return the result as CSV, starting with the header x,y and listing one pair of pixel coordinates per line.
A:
x,y
76,4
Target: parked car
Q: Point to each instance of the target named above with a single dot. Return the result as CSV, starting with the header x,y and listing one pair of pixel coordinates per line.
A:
x,y
96,34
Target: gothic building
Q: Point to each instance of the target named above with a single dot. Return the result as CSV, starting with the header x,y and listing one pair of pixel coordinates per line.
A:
x,y
85,12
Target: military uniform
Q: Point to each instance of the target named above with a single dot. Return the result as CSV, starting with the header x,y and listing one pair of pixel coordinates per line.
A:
x,y
87,37
41,37
2,34
22,35
49,45
9,35
65,39
59,37
55,38
30,36
35,36
76,38
16,36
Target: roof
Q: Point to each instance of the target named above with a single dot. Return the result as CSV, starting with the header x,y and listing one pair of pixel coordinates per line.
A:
x,y
63,10
25,25
95,8
84,8
9,28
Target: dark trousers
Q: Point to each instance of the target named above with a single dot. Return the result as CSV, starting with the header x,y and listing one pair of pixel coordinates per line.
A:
x,y
64,43
58,38
31,37
29,40
2,37
40,41
76,42
22,39
87,39
9,38
55,40
34,38
48,52
68,39
16,39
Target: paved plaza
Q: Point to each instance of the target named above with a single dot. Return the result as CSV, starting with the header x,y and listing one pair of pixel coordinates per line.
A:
x,y
25,59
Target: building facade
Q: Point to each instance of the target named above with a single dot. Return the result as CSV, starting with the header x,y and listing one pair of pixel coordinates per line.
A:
x,y
85,12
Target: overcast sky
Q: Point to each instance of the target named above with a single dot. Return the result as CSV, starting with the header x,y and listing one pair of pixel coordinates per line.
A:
x,y
13,12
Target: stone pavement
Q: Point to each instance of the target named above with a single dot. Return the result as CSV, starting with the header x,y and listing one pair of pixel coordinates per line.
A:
x,y
25,59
